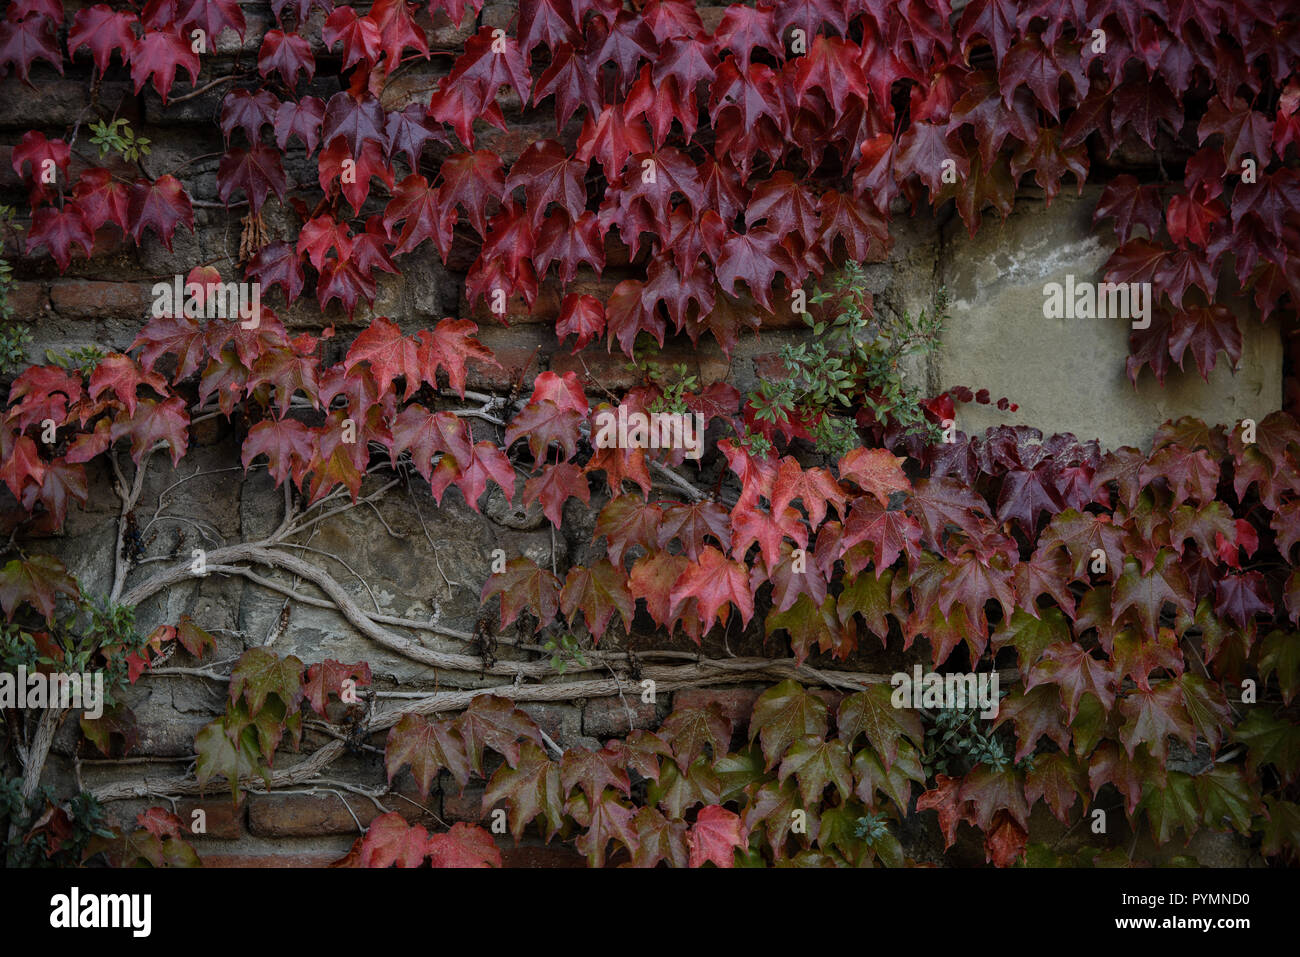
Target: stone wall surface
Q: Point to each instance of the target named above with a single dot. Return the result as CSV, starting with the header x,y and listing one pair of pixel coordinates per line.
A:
x,y
409,558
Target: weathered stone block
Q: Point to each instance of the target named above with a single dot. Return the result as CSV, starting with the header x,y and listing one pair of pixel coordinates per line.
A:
x,y
1068,375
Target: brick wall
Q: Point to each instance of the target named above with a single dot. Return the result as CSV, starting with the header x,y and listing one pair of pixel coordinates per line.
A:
x,y
103,302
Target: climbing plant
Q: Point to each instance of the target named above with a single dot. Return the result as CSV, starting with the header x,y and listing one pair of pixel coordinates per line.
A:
x,y
1139,602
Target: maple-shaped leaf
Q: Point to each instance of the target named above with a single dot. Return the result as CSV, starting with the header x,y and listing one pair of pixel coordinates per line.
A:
x,y
744,29
1050,161
1226,798
1147,594
464,845
988,791
1041,68
41,156
530,788
471,475
159,54
548,175
28,38
425,434
474,181
768,529
593,771
494,722
808,624
1137,655
817,763
658,839
598,591
716,583
389,841
424,216
1141,107
1005,840
1058,779
153,422
260,672
889,532
359,35
212,16
233,760
118,722
1075,672
302,119
524,585
1280,657
872,713
868,596
1034,713
449,346
428,746
715,836
101,199
101,29
193,638
1151,715
388,353
1245,132
248,111
677,792
1130,204
328,677
287,54
1241,597
58,230
783,714
161,206
945,799
287,445
62,481
651,580
1171,808
872,777
605,820
41,392
123,375
256,172
545,423
35,582
1082,535
690,524
278,264
690,730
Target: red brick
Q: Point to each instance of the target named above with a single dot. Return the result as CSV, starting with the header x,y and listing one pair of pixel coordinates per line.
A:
x,y
221,818
562,722
463,804
305,815
90,299
321,859
736,703
29,300
548,856
607,716
598,370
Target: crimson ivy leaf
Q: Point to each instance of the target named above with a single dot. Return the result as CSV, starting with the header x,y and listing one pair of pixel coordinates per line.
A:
x,y
428,746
